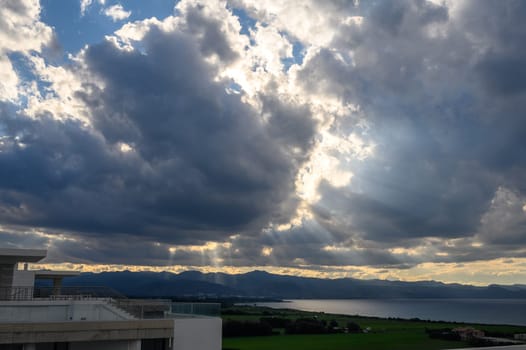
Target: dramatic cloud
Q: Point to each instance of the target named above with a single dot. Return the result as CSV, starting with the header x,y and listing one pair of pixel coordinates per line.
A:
x,y
327,136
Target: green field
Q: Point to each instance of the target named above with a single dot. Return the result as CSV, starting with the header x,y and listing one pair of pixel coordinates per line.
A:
x,y
395,340
388,334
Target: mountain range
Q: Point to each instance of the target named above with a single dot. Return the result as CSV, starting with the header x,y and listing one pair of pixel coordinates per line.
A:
x,y
266,285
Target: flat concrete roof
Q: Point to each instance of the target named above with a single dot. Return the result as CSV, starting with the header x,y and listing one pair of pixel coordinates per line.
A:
x,y
72,331
13,256
49,274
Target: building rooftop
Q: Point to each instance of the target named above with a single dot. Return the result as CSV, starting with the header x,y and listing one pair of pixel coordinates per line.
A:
x,y
91,317
50,274
13,256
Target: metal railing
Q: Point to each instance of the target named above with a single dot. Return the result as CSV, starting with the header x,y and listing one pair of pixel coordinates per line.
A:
x,y
16,293
139,308
164,308
205,309
143,308
75,291
54,293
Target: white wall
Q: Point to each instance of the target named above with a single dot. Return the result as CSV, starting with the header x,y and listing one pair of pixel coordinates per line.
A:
x,y
23,278
6,275
200,333
37,313
42,311
80,311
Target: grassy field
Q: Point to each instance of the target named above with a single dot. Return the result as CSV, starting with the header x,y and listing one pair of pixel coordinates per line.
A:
x,y
388,334
395,340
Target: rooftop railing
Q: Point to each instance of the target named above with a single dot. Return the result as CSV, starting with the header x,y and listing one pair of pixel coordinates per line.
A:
x,y
143,308
138,308
16,293
165,308
72,291
62,293
205,309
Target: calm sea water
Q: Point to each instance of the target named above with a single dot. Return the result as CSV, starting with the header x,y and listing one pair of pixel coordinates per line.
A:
x,y
492,311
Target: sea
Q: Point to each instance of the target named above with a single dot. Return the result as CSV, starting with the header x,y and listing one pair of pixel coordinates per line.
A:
x,y
486,311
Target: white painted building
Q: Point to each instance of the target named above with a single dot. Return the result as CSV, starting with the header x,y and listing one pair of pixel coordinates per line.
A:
x,y
60,321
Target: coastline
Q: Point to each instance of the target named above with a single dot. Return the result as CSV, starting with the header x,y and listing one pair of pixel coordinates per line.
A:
x,y
479,311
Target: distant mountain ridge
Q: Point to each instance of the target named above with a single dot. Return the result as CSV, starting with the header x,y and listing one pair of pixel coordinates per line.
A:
x,y
264,284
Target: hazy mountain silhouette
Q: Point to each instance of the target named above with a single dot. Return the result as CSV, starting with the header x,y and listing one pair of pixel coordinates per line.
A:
x,y
264,284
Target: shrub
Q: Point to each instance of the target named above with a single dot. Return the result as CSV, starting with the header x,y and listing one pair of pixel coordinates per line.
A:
x,y
306,326
442,333
233,328
276,322
353,327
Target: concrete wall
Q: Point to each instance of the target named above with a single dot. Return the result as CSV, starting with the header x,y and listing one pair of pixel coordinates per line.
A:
x,y
37,313
199,333
106,345
23,278
95,312
57,311
85,331
6,275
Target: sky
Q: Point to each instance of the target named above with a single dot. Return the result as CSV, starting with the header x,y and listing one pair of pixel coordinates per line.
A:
x,y
338,138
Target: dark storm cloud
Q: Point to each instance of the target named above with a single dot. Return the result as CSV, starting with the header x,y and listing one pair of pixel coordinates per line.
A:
x,y
412,187
390,16
310,244
212,40
59,174
203,164
110,249
503,75
13,238
213,163
444,111
287,125
498,26
440,93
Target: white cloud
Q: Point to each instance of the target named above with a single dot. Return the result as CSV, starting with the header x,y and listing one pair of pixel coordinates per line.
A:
x,y
20,26
60,96
84,4
135,31
504,221
312,22
21,31
117,12
8,80
385,164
